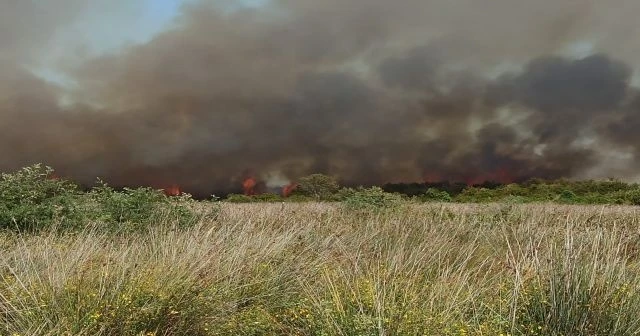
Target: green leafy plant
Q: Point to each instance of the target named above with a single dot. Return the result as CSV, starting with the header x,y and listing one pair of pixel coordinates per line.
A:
x,y
238,198
135,209
568,196
435,195
269,197
373,198
33,199
633,196
318,186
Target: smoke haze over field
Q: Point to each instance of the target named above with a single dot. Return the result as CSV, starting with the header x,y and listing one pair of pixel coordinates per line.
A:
x,y
371,91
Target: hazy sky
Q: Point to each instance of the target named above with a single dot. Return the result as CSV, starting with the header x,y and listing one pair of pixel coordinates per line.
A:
x,y
105,26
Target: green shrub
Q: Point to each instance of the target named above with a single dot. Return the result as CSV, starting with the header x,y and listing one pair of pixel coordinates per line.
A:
x,y
297,198
344,193
435,195
267,198
514,189
135,209
568,196
478,195
597,198
512,199
373,198
633,196
318,186
238,198
30,200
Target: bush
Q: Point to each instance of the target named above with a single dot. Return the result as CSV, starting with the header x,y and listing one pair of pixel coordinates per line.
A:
x,y
268,198
373,198
318,186
344,193
568,196
511,199
297,198
514,190
238,198
597,198
480,195
435,195
31,199
633,197
135,209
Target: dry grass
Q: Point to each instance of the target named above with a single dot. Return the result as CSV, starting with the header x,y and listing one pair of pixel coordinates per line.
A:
x,y
316,269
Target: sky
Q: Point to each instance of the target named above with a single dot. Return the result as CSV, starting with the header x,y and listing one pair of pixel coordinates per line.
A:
x,y
104,28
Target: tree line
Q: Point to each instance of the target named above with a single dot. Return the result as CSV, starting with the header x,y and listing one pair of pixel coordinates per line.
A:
x,y
321,187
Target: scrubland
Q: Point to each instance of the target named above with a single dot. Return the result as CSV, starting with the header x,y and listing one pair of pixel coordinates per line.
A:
x,y
326,269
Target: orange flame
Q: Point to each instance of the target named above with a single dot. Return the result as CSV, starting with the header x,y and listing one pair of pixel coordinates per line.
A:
x,y
173,190
249,186
289,189
499,175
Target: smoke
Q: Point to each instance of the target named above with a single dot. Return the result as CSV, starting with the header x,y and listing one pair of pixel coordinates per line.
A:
x,y
370,91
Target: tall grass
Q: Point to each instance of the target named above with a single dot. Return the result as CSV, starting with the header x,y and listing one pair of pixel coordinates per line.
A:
x,y
318,269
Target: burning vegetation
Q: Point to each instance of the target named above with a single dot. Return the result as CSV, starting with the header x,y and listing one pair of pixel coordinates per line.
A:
x,y
173,190
289,189
249,186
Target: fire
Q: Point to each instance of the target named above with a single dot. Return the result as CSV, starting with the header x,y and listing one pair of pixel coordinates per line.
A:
x,y
500,175
173,190
288,189
249,186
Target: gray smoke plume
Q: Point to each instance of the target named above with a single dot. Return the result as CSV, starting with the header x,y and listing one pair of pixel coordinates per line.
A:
x,y
370,91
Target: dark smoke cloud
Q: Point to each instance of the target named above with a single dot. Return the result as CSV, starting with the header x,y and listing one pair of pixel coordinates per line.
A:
x,y
369,91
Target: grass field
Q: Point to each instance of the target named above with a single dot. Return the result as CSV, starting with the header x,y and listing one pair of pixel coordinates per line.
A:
x,y
318,269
